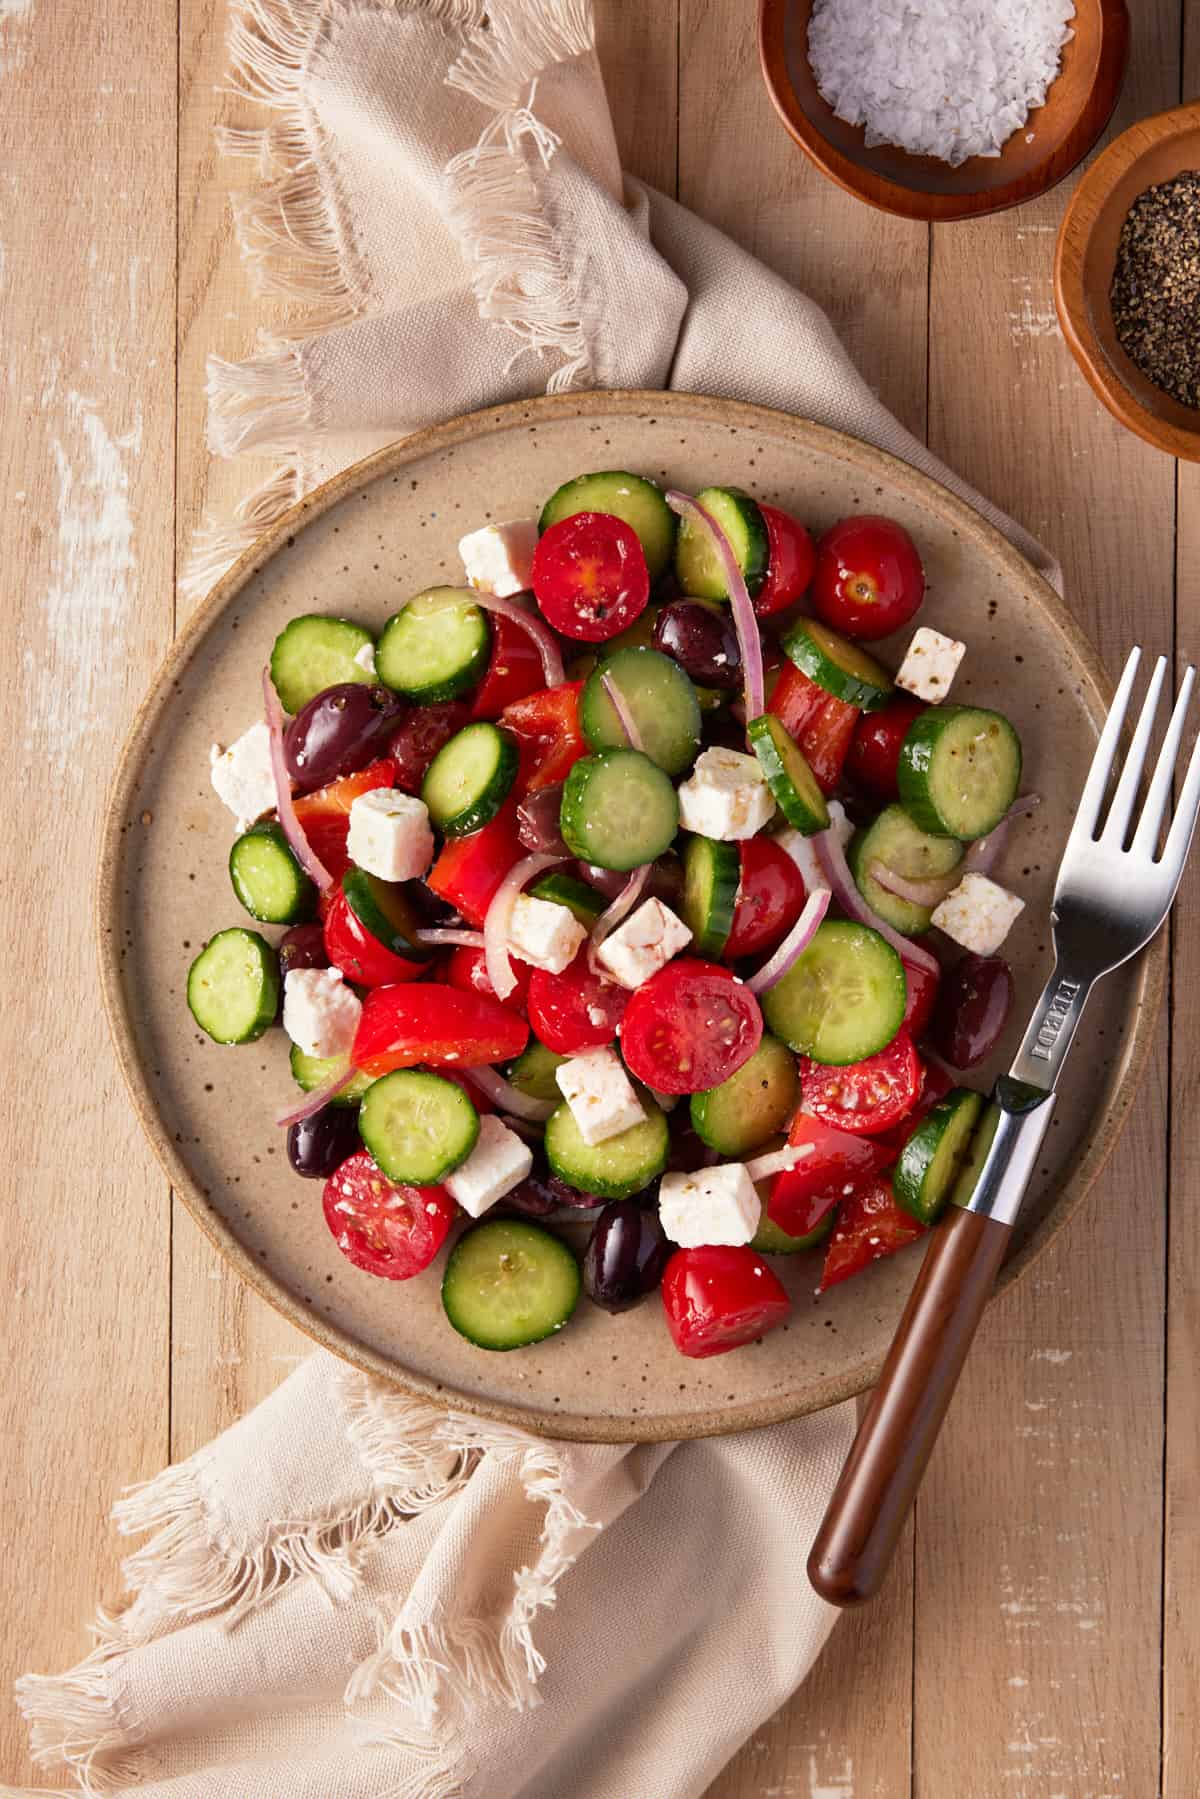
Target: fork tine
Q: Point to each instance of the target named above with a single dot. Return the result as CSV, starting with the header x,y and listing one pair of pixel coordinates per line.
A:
x,y
1124,799
1095,786
1145,839
1179,837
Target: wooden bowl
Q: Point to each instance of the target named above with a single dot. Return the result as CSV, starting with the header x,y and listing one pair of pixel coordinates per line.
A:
x,y
1078,107
1153,150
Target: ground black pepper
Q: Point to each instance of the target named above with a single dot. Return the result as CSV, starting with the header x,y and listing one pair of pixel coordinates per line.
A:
x,y
1156,286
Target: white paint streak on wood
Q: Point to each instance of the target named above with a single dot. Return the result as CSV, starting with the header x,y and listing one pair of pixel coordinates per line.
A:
x,y
16,17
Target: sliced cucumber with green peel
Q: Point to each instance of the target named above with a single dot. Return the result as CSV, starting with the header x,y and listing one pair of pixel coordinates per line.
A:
x,y
769,1240
435,648
752,1106
417,1126
933,1157
622,495
660,699
532,1072
582,902
618,810
233,986
311,1072
508,1283
842,1000
792,782
470,778
698,568
906,850
712,873
315,652
615,1169
959,770
837,665
972,1168
385,910
268,879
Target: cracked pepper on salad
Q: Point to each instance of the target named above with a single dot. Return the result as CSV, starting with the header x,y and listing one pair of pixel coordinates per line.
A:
x,y
638,940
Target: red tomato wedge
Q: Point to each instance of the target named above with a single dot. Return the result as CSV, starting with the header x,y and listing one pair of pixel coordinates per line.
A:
x,y
689,1027
515,669
590,576
325,815
360,956
470,869
575,1010
869,1225
875,748
435,1025
770,895
791,559
718,1298
836,1164
390,1231
821,724
868,1096
935,1086
546,726
467,970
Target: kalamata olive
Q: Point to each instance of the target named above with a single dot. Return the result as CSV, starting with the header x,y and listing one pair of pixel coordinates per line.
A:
x,y
972,1009
702,641
321,1143
608,881
665,880
625,1255
418,738
303,947
533,1198
337,732
688,1150
537,821
565,1195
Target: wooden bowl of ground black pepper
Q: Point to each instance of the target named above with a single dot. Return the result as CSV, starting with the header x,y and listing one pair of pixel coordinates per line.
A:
x,y
1127,279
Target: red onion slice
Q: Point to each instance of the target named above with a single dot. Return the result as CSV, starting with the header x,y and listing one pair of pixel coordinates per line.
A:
x,y
778,1161
509,1098
499,917
917,893
320,1096
451,939
292,829
612,915
985,851
795,943
621,707
832,858
543,637
744,620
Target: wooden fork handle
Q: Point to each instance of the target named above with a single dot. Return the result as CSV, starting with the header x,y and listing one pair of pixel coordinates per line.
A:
x,y
862,1524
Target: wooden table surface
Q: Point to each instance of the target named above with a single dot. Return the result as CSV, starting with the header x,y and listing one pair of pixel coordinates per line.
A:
x,y
1040,1638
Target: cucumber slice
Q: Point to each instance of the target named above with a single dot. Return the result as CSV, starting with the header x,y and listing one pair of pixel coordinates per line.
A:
x,y
533,1072
622,495
469,779
712,873
618,810
436,648
581,901
934,1155
840,667
752,1106
384,909
843,999
268,879
959,770
661,701
981,1143
615,1169
901,846
769,1240
508,1283
792,782
417,1126
311,1072
315,652
233,986
697,565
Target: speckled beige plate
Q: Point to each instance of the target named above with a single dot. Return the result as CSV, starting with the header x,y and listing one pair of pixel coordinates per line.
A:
x,y
371,538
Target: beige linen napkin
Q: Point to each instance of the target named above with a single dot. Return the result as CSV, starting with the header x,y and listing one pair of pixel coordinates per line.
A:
x,y
350,1594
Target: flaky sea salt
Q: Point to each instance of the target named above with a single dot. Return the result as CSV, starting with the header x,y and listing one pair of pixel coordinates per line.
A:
x,y
945,78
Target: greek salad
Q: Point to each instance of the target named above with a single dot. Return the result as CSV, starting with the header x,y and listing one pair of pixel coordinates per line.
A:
x,y
621,887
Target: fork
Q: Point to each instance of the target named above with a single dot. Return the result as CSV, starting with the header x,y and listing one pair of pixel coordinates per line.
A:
x,y
1114,889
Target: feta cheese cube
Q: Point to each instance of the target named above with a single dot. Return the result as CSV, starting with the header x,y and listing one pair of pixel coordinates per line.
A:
x,y
365,657
390,835
714,1205
499,1162
725,796
242,775
544,934
930,664
978,913
643,944
499,558
320,1013
598,1091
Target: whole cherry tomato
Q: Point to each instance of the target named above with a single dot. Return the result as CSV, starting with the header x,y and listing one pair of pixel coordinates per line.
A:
x,y
590,576
718,1298
769,897
875,747
869,579
384,1229
791,559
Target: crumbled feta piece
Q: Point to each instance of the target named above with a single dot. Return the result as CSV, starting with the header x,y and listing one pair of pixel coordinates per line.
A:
x,y
365,657
242,775
499,558
930,664
978,913
643,944
543,933
320,1013
598,1091
390,835
714,1205
725,796
499,1162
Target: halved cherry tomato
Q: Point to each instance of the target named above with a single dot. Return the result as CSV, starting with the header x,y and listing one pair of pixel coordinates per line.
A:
x,y
869,1225
835,1163
590,576
546,726
470,869
821,724
868,1096
416,740
791,559
869,579
514,670
718,1298
467,970
769,897
435,1025
325,814
575,1010
875,747
922,987
935,1086
360,955
387,1230
689,1027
